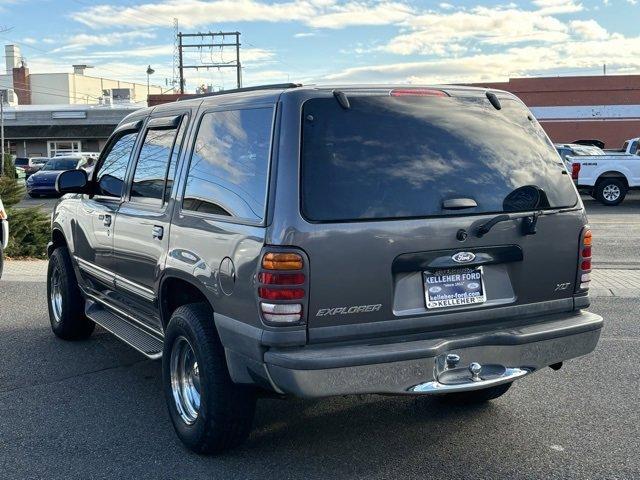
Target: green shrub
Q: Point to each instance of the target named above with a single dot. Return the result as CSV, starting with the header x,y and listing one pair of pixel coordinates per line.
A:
x,y
9,168
10,191
29,233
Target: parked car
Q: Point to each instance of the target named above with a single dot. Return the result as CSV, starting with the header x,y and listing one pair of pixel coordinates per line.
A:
x,y
609,177
312,242
4,234
43,182
567,150
30,165
630,147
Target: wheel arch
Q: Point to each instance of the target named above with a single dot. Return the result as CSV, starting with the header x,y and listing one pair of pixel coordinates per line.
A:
x,y
177,289
613,174
57,240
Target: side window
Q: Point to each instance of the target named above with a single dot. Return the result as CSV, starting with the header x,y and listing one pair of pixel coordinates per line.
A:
x,y
110,176
230,163
153,165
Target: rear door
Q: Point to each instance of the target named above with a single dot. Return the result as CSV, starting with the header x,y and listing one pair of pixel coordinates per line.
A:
x,y
141,236
394,191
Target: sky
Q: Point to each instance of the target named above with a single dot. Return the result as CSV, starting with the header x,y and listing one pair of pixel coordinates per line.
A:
x,y
330,41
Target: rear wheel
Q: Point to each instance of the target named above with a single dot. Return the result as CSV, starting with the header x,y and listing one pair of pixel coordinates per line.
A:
x,y
65,302
476,396
209,412
34,195
610,191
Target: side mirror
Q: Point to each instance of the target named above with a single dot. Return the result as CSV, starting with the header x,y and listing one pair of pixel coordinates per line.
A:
x,y
72,181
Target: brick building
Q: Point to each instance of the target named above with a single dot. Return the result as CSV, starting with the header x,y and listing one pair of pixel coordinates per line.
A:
x,y
601,107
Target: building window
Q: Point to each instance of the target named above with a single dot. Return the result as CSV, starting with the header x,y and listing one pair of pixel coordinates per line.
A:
x,y
63,147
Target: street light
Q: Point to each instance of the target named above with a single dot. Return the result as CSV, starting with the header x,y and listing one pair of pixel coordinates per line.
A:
x,y
150,71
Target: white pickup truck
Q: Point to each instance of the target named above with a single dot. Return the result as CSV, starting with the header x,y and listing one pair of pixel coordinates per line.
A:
x,y
608,177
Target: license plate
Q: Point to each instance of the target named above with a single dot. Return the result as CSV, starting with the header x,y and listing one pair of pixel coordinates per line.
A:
x,y
454,287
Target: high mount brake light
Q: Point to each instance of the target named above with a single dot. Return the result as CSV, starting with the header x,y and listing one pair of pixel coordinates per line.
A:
x,y
283,284
417,92
584,261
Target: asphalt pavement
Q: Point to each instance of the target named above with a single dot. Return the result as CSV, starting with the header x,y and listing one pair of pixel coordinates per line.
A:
x,y
95,409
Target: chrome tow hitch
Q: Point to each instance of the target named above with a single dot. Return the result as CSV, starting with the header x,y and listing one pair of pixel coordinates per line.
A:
x,y
450,378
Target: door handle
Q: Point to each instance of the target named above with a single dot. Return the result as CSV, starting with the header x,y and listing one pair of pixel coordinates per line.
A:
x,y
158,232
106,220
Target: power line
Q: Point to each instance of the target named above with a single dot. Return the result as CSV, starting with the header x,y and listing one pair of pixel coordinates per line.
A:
x,y
218,40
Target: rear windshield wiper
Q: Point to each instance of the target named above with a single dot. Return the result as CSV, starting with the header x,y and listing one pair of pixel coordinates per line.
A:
x,y
529,222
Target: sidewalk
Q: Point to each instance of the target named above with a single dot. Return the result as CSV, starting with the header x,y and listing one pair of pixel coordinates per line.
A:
x,y
24,271
604,282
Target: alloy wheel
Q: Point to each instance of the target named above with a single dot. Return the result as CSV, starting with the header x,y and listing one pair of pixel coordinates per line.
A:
x,y
185,380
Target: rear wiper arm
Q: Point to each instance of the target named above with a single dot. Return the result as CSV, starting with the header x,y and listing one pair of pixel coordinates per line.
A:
x,y
529,222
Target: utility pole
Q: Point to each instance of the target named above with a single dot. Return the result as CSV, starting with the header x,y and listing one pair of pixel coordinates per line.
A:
x,y
180,65
217,40
2,132
604,68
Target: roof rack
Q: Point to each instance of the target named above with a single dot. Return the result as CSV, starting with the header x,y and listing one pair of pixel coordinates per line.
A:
x,y
274,86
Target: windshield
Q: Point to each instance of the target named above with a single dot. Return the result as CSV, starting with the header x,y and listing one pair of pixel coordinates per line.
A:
x,y
39,161
61,164
402,157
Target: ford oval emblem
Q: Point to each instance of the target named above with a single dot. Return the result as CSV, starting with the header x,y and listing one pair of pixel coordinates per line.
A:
x,y
463,257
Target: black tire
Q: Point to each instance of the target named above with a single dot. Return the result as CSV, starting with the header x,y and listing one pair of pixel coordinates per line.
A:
x,y
225,414
606,189
68,320
34,195
476,396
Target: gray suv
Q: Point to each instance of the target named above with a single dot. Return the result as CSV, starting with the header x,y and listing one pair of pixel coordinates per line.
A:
x,y
310,241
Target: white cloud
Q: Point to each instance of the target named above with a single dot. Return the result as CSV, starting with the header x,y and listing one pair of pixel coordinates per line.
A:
x,y
516,61
437,33
350,14
195,13
445,6
557,6
304,34
589,29
83,40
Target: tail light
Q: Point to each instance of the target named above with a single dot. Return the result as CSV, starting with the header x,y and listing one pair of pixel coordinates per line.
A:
x,y
584,261
3,212
282,287
575,170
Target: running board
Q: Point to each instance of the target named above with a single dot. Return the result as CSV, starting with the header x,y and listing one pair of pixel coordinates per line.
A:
x,y
146,343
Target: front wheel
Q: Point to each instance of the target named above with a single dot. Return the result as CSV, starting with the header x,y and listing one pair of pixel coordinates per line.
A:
x,y
610,191
476,396
65,302
209,412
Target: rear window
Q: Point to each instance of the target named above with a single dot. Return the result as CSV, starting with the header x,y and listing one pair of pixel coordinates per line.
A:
x,y
403,157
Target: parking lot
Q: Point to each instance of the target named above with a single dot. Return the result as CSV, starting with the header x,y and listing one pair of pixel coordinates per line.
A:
x,y
95,409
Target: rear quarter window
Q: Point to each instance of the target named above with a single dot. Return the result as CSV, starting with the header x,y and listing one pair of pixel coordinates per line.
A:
x,y
228,172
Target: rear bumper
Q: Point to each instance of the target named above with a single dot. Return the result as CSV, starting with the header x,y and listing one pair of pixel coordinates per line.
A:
x,y
406,367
